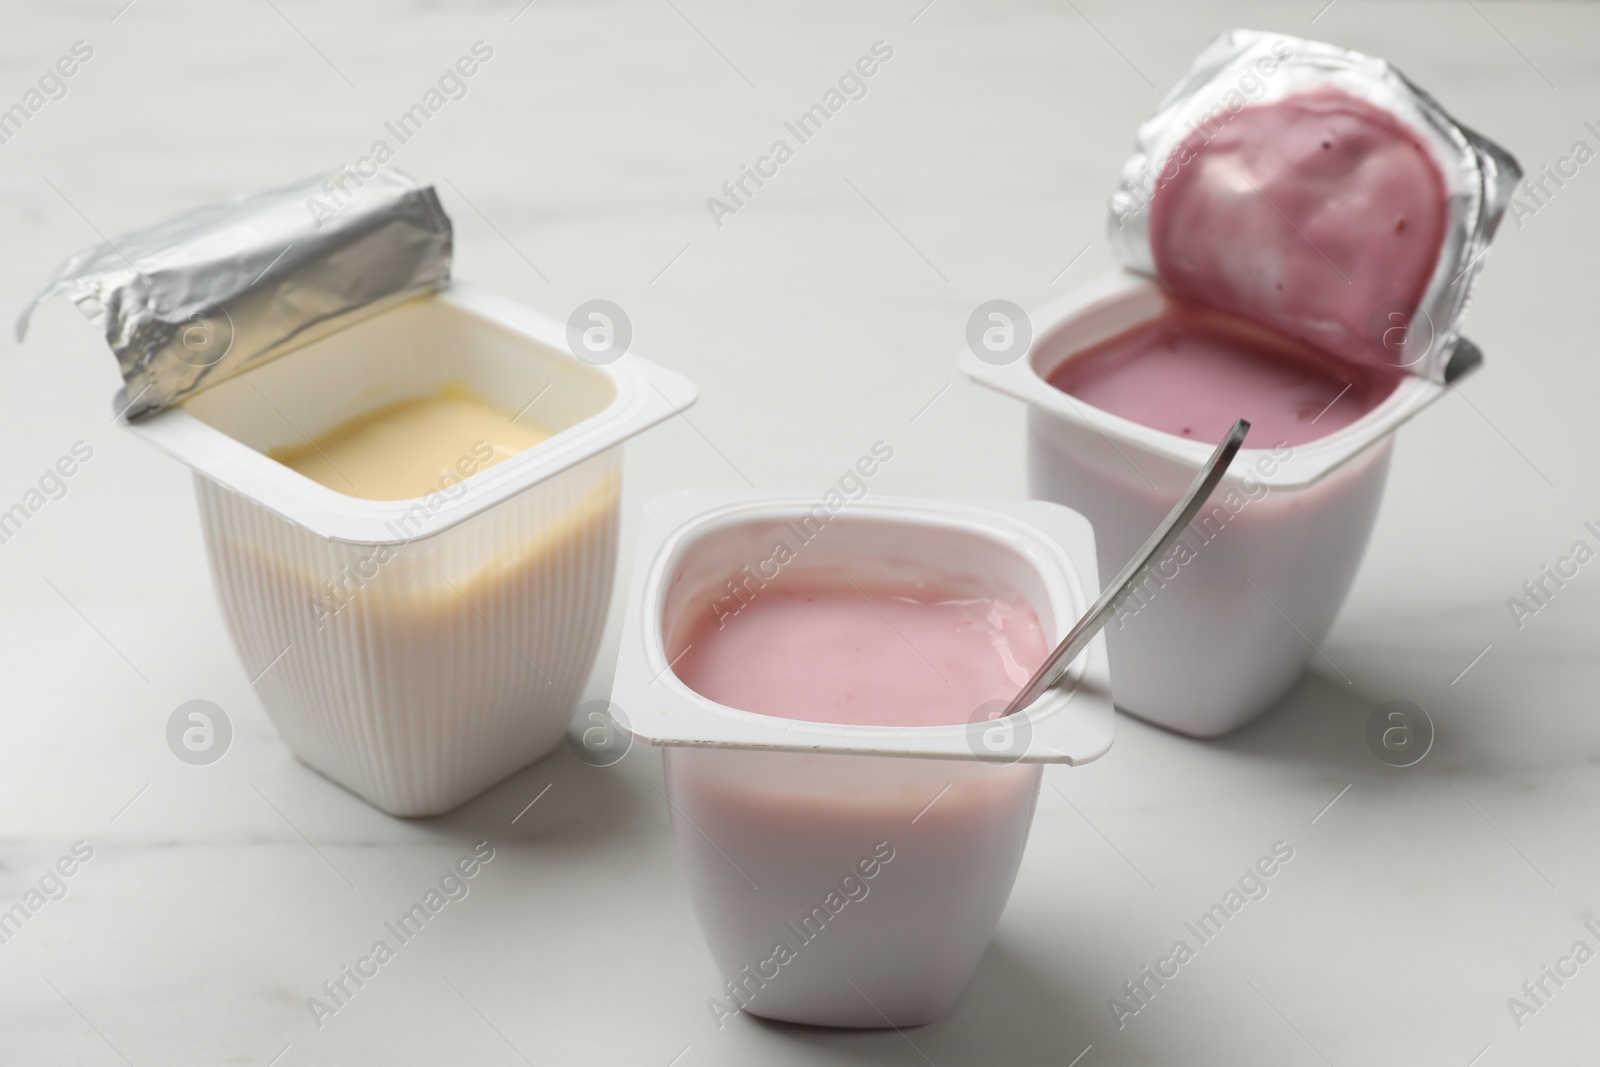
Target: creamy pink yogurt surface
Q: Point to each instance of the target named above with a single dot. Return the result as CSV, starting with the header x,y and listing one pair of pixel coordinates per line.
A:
x,y
1314,214
1192,371
864,654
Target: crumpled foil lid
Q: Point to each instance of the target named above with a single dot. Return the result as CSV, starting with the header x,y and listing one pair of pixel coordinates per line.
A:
x,y
216,291
1243,69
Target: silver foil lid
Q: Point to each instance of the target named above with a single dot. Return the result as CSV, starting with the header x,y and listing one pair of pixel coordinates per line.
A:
x,y
1242,69
216,291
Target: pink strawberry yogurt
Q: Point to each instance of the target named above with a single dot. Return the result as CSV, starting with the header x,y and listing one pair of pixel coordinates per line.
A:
x,y
1191,371
864,654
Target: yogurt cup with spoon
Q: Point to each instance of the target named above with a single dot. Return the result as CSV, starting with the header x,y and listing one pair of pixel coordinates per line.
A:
x,y
849,788
1299,230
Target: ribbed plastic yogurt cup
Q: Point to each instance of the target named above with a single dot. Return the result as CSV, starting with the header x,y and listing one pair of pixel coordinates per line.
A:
x,y
418,651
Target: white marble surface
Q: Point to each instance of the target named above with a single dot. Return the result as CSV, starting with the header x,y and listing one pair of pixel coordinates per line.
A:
x,y
219,898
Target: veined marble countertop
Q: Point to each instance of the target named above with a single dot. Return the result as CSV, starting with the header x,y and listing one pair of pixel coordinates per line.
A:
x,y
821,316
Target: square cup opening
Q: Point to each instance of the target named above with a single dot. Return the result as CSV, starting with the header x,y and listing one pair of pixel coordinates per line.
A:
x,y
730,564
506,355
415,350
1118,302
703,553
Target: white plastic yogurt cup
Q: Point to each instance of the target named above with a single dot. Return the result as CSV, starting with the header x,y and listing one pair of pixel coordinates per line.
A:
x,y
852,875
418,651
1224,628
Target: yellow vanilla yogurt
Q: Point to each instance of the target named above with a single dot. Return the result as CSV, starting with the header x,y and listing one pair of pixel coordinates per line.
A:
x,y
411,448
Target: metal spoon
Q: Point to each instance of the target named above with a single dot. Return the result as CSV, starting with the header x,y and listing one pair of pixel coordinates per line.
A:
x,y
1154,550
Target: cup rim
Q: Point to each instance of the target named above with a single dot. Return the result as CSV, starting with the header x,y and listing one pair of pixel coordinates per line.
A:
x,y
645,393
1307,463
1072,723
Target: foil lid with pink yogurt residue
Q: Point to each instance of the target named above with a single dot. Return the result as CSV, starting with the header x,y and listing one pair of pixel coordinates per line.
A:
x,y
199,298
1318,191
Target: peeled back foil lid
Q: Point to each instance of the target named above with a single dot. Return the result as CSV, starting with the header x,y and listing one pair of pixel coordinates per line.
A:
x,y
214,292
1318,191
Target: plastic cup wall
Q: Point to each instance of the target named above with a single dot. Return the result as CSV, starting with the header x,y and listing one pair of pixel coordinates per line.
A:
x,y
766,836
419,674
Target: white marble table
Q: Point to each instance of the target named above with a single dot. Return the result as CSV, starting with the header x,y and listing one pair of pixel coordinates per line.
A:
x,y
820,317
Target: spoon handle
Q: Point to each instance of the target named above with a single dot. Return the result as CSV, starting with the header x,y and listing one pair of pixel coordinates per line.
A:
x,y
1154,550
